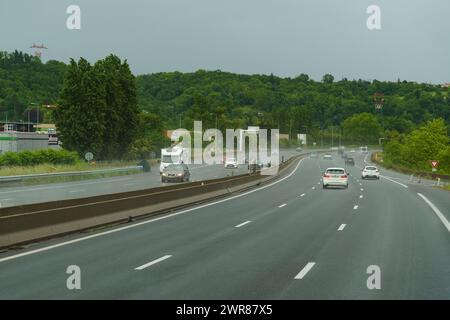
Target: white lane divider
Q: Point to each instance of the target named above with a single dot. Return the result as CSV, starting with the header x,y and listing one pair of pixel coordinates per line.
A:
x,y
314,188
153,262
304,271
128,184
341,227
282,205
361,196
303,194
362,189
77,191
242,224
436,211
401,184
355,207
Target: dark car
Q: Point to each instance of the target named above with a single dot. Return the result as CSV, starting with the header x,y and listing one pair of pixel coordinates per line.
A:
x,y
176,172
255,167
349,161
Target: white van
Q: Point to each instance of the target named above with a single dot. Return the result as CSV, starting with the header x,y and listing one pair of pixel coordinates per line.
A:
x,y
174,155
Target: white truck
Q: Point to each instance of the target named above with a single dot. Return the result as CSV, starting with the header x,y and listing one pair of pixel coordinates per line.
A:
x,y
173,155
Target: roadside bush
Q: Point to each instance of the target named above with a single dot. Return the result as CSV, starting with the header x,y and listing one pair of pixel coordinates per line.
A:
x,y
43,156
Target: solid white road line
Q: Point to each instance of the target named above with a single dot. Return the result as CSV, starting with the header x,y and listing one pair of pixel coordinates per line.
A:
x,y
403,185
304,271
436,211
64,186
77,191
341,227
151,220
242,224
355,207
153,262
282,205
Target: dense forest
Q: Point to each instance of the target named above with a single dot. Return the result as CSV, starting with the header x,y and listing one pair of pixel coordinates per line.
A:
x,y
322,109
294,105
26,82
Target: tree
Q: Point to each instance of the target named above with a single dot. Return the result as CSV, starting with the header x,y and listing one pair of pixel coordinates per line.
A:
x,y
424,144
80,115
362,128
328,78
121,113
98,109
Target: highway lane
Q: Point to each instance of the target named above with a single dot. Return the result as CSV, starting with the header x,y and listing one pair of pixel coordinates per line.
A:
x,y
428,188
214,255
79,189
394,230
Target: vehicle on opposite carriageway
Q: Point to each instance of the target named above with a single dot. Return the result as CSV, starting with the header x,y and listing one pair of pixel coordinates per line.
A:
x,y
173,155
175,173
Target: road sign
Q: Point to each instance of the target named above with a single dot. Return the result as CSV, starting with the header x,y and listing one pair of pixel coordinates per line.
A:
x,y
434,163
89,156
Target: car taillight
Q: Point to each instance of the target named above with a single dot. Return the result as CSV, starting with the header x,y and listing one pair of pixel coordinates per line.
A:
x,y
326,176
344,176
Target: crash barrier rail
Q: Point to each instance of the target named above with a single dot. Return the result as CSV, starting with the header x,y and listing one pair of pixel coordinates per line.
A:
x,y
68,173
26,223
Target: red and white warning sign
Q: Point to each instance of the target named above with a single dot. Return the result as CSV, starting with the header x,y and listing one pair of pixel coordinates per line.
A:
x,y
434,163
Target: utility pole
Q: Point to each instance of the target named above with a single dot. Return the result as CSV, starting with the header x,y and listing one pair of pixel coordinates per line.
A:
x,y
332,136
321,136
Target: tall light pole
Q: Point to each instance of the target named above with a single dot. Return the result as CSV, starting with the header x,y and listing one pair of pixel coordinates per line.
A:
x,y
332,137
306,135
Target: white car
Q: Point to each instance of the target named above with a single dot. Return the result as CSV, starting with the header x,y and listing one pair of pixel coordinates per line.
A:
x,y
370,172
327,157
230,164
335,177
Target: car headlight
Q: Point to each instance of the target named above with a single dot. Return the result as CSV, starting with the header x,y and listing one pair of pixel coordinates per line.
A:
x,y
164,174
179,174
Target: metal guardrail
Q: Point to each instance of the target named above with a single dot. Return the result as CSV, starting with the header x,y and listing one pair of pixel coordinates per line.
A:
x,y
68,173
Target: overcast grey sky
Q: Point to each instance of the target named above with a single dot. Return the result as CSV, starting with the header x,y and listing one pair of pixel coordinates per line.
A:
x,y
284,37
